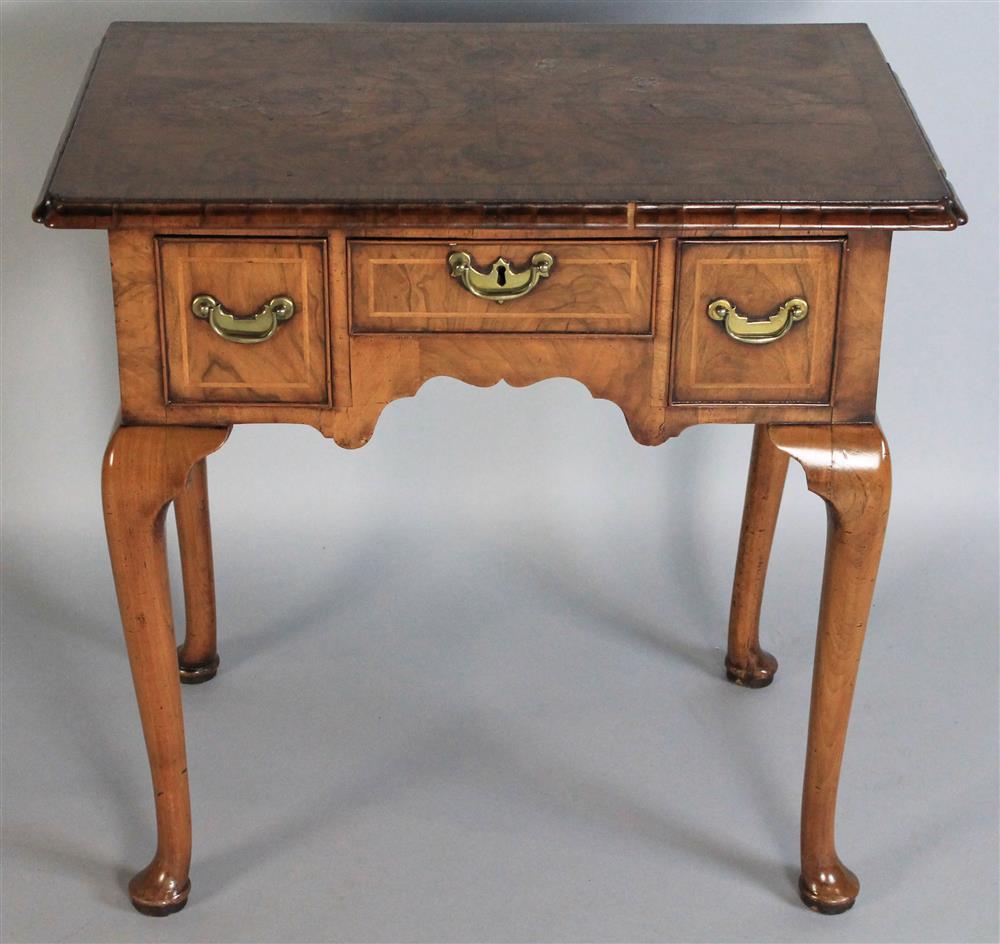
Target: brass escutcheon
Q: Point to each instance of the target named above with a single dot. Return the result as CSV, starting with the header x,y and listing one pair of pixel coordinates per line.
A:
x,y
501,283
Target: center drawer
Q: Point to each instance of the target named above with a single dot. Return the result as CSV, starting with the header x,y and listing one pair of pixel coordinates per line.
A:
x,y
547,286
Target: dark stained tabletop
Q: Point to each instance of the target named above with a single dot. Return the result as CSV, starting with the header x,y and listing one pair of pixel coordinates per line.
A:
x,y
187,116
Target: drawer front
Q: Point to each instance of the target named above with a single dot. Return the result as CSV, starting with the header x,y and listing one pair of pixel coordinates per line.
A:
x,y
242,346
590,287
755,321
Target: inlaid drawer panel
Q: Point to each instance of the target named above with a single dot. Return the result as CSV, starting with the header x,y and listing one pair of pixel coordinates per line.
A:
x,y
244,320
755,321
600,287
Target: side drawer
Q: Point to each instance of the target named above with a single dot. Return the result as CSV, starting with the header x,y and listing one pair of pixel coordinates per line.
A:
x,y
755,321
592,287
230,334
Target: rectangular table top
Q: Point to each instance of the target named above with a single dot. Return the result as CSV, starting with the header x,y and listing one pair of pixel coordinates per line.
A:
x,y
667,121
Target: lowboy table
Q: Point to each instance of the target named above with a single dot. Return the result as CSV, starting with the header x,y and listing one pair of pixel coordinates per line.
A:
x,y
307,222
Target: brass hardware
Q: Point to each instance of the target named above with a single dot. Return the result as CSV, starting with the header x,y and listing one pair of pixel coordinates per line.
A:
x,y
501,283
243,329
758,331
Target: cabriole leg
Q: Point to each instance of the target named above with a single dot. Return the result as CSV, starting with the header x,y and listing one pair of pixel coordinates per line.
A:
x,y
746,663
848,467
198,657
144,469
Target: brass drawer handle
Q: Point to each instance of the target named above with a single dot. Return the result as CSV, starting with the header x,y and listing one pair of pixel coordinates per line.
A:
x,y
243,329
762,330
501,283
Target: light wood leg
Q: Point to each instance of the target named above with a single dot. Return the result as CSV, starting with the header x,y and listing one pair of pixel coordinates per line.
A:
x,y
144,469
746,663
848,467
198,657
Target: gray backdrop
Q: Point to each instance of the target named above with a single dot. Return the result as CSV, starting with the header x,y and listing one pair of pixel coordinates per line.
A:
x,y
471,674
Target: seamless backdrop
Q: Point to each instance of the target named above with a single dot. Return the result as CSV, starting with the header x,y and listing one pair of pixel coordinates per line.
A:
x,y
471,683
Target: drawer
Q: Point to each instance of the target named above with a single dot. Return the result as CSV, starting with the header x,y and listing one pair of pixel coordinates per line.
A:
x,y
755,321
590,287
243,346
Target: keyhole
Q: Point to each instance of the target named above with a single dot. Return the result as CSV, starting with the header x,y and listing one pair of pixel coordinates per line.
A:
x,y
501,275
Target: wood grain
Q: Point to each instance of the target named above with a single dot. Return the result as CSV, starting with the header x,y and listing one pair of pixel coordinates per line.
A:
x,y
849,468
594,287
865,276
198,655
291,366
605,363
746,663
144,469
338,164
385,368
756,277
509,124
135,283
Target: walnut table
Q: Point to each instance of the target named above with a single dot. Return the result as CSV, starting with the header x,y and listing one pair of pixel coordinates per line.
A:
x,y
307,222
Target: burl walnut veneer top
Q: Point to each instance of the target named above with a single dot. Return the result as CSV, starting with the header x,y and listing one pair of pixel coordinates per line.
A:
x,y
659,125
